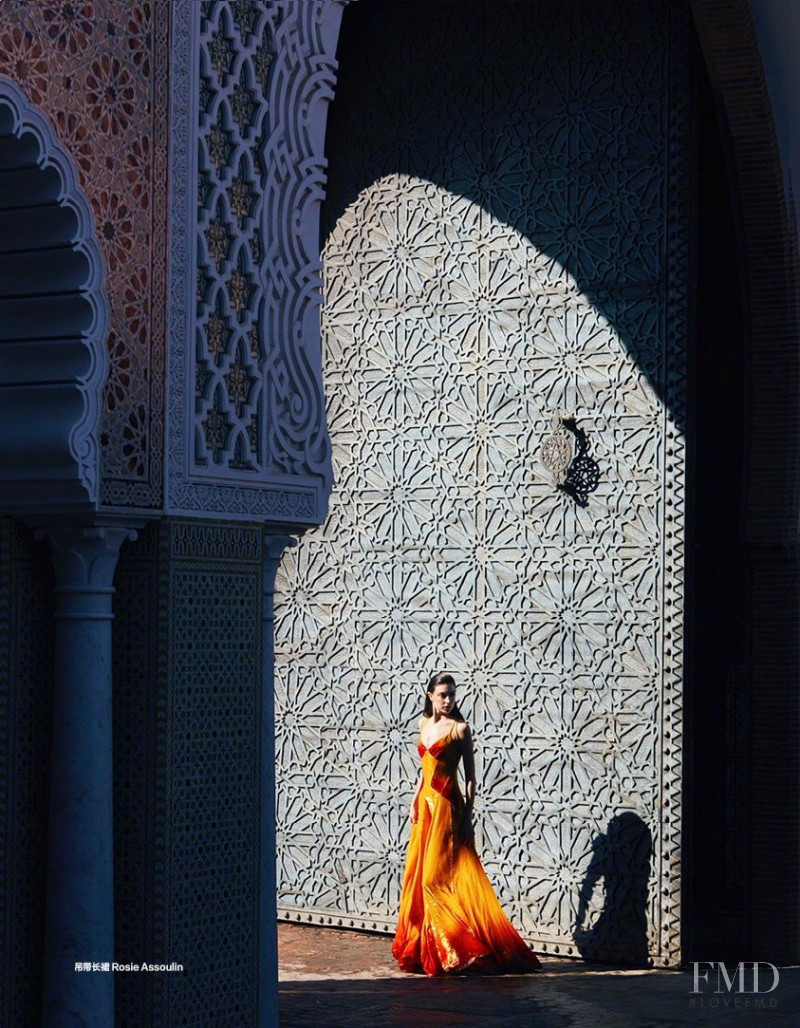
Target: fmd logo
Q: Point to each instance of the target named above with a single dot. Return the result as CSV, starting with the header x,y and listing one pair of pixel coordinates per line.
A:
x,y
743,985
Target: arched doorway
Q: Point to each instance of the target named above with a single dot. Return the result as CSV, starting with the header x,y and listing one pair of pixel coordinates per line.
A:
x,y
494,262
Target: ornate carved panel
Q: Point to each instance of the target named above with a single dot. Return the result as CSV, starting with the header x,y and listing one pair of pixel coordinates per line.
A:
x,y
188,738
507,244
99,70
237,51
251,82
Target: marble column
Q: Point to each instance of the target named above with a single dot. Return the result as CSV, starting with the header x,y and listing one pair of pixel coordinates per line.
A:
x,y
274,547
79,919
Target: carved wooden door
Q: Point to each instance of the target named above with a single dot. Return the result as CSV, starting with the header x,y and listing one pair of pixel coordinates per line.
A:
x,y
507,244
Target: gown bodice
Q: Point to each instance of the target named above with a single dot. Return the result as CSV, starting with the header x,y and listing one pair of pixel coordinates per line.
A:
x,y
440,765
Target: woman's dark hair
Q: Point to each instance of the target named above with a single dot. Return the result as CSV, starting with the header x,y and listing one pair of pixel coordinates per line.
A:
x,y
440,678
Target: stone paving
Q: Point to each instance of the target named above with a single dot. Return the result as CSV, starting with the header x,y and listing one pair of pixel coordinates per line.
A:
x,y
332,978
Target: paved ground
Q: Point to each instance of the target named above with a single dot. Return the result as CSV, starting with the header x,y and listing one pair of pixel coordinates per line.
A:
x,y
331,978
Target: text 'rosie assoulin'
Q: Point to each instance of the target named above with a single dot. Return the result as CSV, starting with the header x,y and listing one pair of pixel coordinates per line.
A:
x,y
147,967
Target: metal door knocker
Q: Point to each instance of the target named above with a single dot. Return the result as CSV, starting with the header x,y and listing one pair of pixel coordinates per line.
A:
x,y
565,454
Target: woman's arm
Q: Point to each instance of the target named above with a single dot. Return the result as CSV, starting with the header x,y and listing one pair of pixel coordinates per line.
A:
x,y
470,785
414,811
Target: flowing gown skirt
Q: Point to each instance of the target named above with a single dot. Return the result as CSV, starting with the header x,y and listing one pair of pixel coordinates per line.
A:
x,y
450,918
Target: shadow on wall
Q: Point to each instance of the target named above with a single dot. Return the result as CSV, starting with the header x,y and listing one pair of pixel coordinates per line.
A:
x,y
621,858
554,155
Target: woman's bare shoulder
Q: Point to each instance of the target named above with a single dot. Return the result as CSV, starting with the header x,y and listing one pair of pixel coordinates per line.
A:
x,y
461,730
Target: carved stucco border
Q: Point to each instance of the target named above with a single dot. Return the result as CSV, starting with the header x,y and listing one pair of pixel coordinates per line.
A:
x,y
84,361
301,85
677,318
301,88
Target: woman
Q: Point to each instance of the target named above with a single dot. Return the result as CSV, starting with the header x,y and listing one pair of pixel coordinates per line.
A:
x,y
450,919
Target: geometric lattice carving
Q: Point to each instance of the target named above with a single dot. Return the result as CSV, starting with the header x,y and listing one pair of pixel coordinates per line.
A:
x,y
188,777
297,435
215,755
237,50
496,255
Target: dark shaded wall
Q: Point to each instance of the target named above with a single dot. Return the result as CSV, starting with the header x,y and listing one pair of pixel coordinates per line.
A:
x,y
718,676
26,676
762,776
187,742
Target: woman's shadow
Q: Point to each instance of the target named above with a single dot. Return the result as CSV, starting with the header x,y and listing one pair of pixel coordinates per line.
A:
x,y
621,858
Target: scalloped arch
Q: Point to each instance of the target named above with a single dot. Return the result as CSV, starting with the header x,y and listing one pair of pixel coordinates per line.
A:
x,y
53,320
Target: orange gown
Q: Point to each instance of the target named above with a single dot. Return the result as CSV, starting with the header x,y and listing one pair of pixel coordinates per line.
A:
x,y
450,918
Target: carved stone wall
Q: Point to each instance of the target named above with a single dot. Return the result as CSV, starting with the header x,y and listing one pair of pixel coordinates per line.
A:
x,y
507,242
242,87
237,51
99,70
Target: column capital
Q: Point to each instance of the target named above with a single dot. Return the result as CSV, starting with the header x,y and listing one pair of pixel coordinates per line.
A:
x,y
276,542
85,554
275,545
